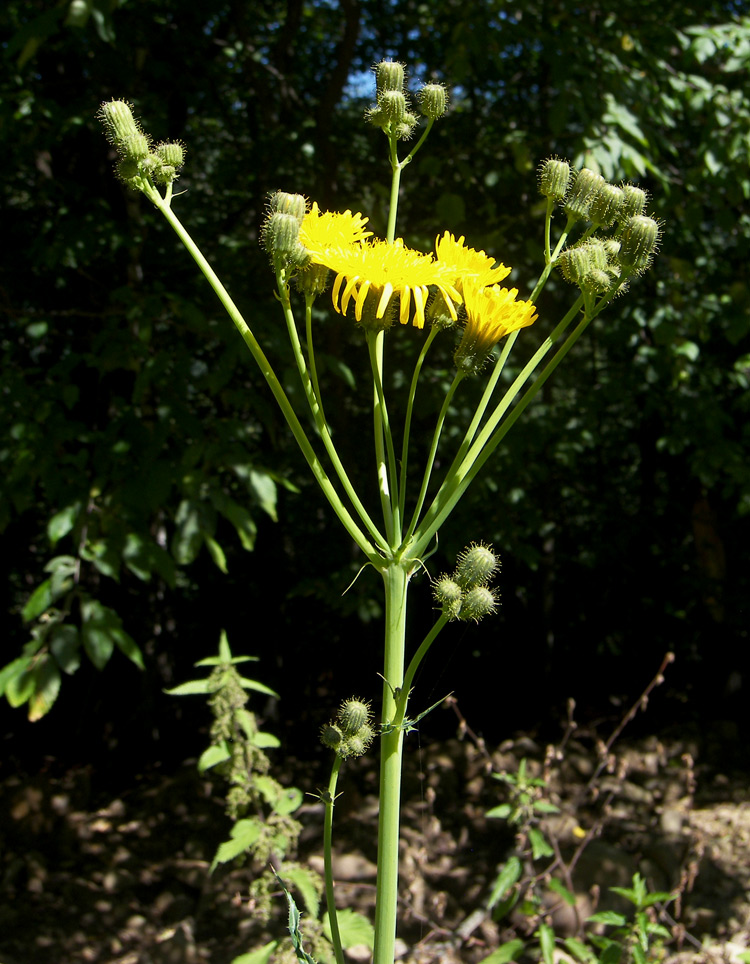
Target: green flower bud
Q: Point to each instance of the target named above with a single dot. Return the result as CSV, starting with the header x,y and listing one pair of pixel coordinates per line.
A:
x,y
478,602
389,75
392,104
634,201
575,263
597,280
639,240
475,566
119,123
312,280
127,169
165,174
433,101
585,186
605,207
331,736
280,235
353,714
611,247
405,129
554,178
135,146
449,596
283,203
171,153
358,743
438,314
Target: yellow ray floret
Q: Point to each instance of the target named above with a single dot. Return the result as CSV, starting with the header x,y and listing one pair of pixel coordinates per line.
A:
x,y
468,263
491,313
374,272
321,230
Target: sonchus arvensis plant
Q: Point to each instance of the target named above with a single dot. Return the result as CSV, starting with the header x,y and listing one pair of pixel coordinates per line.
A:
x,y
455,292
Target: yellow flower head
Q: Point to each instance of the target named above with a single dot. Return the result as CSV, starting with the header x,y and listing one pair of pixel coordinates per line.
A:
x,y
467,263
491,313
374,272
329,229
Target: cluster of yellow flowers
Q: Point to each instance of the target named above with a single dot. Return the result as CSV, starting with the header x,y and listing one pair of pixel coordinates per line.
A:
x,y
374,275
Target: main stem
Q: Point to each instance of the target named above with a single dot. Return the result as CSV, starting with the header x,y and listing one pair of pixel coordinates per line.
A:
x,y
396,580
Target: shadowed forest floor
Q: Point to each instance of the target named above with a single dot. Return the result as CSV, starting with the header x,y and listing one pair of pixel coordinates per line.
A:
x,y
124,880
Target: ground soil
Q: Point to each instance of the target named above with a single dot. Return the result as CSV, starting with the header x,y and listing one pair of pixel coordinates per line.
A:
x,y
124,880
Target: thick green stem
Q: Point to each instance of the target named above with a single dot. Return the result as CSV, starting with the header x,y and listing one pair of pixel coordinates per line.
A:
x,y
330,800
396,579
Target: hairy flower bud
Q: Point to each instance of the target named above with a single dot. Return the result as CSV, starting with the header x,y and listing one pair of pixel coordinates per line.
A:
x,y
585,186
389,75
476,564
135,146
605,207
640,237
478,602
171,153
392,104
352,715
280,236
448,594
119,123
554,178
331,736
282,203
165,174
358,743
433,101
634,201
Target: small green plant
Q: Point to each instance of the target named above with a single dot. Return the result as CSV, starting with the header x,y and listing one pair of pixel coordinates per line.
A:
x,y
538,877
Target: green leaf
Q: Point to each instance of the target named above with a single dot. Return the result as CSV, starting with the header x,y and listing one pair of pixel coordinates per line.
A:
x,y
242,521
260,956
244,834
65,646
608,917
265,741
539,845
212,756
546,942
505,953
541,806
251,684
507,877
188,536
195,687
293,927
305,881
38,601
559,888
580,950
217,553
96,632
503,811
354,928
20,684
11,671
288,801
63,522
264,488
46,687
101,631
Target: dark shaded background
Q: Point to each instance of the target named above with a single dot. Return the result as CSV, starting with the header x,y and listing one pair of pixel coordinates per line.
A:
x,y
619,503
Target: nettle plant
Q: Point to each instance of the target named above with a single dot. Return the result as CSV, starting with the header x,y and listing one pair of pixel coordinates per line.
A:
x,y
455,292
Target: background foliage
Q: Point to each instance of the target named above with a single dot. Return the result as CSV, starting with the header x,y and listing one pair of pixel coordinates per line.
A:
x,y
149,493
